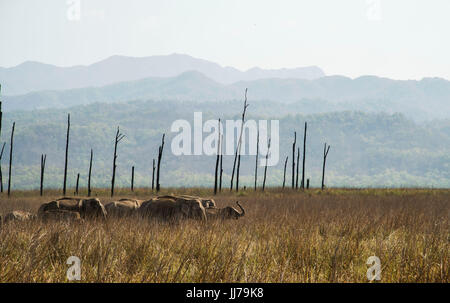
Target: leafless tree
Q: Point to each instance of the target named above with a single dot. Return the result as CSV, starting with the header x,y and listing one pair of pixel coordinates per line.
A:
x,y
238,148
153,175
293,159
132,178
11,157
67,154
325,154
221,160
1,175
296,175
43,160
284,173
89,175
304,154
78,183
216,173
160,153
256,162
118,138
265,168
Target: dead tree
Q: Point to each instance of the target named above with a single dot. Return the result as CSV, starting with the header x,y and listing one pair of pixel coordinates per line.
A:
x,y
118,138
43,160
221,160
238,147
298,161
153,175
158,172
1,175
284,174
217,162
89,176
67,154
265,168
304,154
257,153
325,154
293,159
132,178
307,183
10,158
78,182
1,113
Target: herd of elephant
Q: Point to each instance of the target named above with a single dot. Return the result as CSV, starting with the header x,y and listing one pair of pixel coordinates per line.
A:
x,y
168,208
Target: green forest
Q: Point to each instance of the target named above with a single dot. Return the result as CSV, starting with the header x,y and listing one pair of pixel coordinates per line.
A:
x,y
367,149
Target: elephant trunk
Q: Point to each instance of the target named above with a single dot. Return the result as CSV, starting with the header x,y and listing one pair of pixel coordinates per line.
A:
x,y
242,209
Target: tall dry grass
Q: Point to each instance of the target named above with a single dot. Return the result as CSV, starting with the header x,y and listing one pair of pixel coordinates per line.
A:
x,y
286,236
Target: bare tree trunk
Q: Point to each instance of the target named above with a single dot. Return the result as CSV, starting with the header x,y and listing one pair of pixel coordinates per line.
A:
x,y
265,168
119,137
67,154
325,154
298,162
10,158
293,159
132,178
161,149
284,174
238,148
304,154
89,176
256,163
1,175
217,163
78,182
307,183
43,160
153,175
221,160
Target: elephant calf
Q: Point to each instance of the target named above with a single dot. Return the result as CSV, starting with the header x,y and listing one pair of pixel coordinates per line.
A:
x,y
60,215
18,215
87,208
225,213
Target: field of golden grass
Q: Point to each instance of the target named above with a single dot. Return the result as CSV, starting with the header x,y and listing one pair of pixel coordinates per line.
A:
x,y
286,236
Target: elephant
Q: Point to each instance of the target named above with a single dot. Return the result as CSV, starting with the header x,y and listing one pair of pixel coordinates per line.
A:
x,y
60,215
225,213
88,208
123,207
173,209
18,215
207,203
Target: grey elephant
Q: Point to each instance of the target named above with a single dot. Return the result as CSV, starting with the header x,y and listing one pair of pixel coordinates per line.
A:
x,y
206,202
123,207
87,208
173,209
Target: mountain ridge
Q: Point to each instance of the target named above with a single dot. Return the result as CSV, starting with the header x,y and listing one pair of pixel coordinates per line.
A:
x,y
419,99
32,76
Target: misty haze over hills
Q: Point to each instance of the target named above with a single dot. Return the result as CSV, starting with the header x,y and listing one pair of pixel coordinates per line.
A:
x,y
34,76
421,100
372,144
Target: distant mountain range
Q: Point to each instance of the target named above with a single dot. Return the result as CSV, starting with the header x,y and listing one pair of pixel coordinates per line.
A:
x,y
426,99
34,76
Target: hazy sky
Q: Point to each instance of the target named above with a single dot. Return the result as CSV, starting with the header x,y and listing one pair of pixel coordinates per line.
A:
x,y
400,39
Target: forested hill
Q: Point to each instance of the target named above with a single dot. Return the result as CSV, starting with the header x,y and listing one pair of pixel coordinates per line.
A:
x,y
367,149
